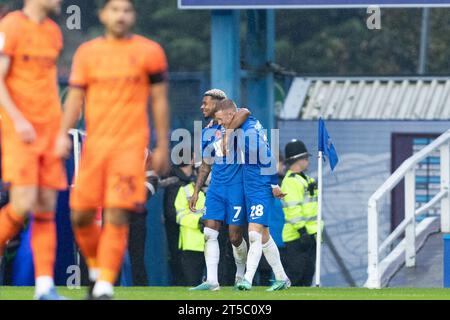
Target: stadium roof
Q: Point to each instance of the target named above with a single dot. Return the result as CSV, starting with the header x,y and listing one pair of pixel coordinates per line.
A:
x,y
368,99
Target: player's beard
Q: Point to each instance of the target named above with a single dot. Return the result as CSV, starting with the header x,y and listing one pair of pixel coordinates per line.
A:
x,y
119,30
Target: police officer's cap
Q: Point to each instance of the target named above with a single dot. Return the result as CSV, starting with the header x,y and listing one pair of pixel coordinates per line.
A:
x,y
295,150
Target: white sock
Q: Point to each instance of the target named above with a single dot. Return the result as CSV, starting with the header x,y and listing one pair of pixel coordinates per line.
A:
x,y
93,274
254,255
103,288
272,255
212,255
240,258
43,285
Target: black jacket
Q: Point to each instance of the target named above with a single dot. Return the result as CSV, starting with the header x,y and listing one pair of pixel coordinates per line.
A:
x,y
170,193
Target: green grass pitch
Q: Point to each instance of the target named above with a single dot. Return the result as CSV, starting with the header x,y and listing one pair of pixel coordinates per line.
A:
x,y
258,293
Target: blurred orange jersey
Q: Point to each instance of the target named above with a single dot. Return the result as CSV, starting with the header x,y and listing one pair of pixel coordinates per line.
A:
x,y
32,80
32,83
117,75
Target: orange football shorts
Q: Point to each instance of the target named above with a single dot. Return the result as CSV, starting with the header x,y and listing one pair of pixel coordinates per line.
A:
x,y
33,164
109,179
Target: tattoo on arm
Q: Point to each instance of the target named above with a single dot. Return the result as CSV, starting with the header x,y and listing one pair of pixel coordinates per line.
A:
x,y
203,174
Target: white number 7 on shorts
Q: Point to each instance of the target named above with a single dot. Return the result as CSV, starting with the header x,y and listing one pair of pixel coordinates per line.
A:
x,y
238,211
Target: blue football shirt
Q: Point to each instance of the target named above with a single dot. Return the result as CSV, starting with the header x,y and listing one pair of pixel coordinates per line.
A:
x,y
225,170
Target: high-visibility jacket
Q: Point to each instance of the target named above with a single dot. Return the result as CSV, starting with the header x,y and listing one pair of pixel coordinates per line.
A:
x,y
191,237
299,205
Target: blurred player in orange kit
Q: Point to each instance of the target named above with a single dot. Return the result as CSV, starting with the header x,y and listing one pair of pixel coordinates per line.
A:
x,y
30,44
116,74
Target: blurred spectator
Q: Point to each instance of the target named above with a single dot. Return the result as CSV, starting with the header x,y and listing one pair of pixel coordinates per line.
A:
x,y
138,228
281,168
191,238
136,247
172,229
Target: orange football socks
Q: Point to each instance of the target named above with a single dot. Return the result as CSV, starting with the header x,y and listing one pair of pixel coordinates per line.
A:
x,y
10,224
111,250
88,238
43,243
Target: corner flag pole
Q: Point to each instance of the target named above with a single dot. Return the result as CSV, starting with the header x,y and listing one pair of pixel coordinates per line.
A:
x,y
319,219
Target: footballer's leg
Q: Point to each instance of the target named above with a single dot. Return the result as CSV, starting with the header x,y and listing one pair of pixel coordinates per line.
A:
x,y
85,198
20,170
239,245
43,244
212,251
124,194
212,221
51,178
256,218
212,256
23,200
270,249
272,255
13,215
255,231
111,250
236,219
87,236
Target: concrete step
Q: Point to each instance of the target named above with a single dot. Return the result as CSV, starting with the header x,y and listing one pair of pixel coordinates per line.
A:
x,y
428,272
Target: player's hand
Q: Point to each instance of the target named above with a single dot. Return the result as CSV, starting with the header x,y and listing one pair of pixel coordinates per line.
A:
x,y
63,146
225,144
277,193
193,202
160,160
25,130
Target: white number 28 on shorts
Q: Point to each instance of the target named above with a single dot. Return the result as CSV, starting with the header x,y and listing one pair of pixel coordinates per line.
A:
x,y
257,210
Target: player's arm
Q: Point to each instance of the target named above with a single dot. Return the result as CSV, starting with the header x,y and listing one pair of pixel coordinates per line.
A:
x,y
239,118
23,127
157,69
203,174
72,111
160,105
79,82
276,189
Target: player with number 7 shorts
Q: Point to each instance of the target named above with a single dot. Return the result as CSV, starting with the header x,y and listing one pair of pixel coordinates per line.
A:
x,y
260,188
225,197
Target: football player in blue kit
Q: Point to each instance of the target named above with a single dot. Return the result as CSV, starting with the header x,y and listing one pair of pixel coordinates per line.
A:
x,y
260,188
225,201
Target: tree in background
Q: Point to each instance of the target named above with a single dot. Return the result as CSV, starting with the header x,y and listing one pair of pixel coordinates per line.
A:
x,y
337,42
185,35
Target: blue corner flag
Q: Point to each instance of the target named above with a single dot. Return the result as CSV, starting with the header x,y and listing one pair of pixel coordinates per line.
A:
x,y
326,145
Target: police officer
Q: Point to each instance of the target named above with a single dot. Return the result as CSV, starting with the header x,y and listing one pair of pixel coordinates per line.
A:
x,y
191,238
300,212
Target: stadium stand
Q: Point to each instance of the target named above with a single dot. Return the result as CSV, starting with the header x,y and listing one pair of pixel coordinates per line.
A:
x,y
368,99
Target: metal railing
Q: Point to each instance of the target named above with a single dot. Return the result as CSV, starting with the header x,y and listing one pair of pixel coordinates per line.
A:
x,y
377,276
77,136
